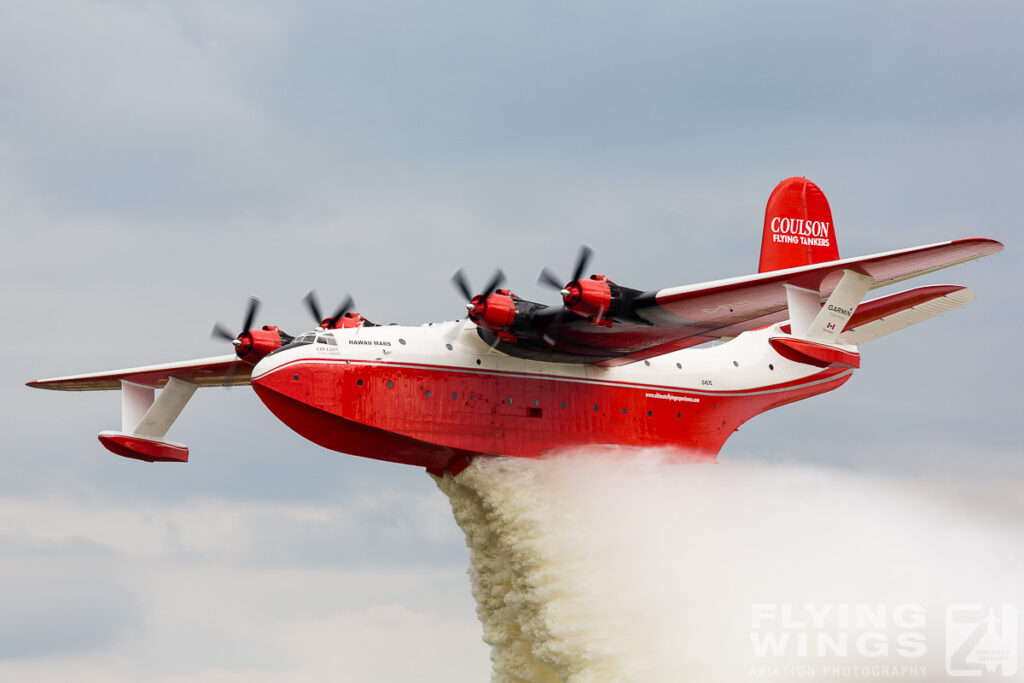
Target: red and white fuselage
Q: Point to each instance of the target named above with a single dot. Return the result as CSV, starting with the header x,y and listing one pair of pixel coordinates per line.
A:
x,y
436,394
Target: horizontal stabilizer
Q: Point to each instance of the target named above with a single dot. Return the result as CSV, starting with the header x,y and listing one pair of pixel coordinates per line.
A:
x,y
879,317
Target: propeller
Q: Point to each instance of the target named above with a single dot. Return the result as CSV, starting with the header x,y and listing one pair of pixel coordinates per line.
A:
x,y
221,332
548,278
488,309
314,307
461,283
551,280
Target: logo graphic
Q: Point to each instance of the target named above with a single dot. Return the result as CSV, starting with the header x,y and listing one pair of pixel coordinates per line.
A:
x,y
981,641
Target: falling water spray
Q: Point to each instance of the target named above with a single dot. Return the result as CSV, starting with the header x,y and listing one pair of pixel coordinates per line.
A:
x,y
630,567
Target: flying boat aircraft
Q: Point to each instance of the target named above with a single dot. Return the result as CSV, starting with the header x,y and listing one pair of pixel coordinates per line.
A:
x,y
611,365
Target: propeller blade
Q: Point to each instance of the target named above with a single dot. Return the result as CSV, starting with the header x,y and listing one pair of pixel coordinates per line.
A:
x,y
220,332
313,305
462,284
581,262
550,279
496,280
345,307
250,315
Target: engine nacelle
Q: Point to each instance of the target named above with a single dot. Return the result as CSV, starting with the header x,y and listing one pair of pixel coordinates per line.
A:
x,y
345,321
590,298
252,345
495,312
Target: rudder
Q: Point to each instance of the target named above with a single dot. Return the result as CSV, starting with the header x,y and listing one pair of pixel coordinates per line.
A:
x,y
798,229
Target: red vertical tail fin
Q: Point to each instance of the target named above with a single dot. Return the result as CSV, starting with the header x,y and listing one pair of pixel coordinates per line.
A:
x,y
798,227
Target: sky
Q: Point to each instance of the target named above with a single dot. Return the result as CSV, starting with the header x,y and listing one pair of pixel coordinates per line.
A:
x,y
160,162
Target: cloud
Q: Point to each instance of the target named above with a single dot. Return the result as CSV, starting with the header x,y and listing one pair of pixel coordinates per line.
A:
x,y
51,612
122,109
264,532
223,590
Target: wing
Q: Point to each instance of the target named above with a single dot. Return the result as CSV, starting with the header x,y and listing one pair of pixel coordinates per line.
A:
x,y
679,317
205,372
146,417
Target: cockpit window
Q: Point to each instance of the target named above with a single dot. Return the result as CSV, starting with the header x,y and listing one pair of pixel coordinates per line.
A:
x,y
301,340
325,339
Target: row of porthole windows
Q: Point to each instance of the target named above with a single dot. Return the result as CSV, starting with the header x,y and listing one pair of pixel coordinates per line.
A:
x,y
646,362
508,400
536,402
679,366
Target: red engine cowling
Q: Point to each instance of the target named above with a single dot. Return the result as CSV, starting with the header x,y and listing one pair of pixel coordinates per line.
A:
x,y
589,298
495,312
346,321
253,345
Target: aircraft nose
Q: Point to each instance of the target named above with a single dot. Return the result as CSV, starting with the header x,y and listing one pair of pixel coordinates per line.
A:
x,y
263,368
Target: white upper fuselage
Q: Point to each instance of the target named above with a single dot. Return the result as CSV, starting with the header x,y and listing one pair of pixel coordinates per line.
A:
x,y
744,363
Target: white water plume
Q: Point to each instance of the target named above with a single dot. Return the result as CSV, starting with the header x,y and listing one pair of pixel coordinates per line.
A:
x,y
628,568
